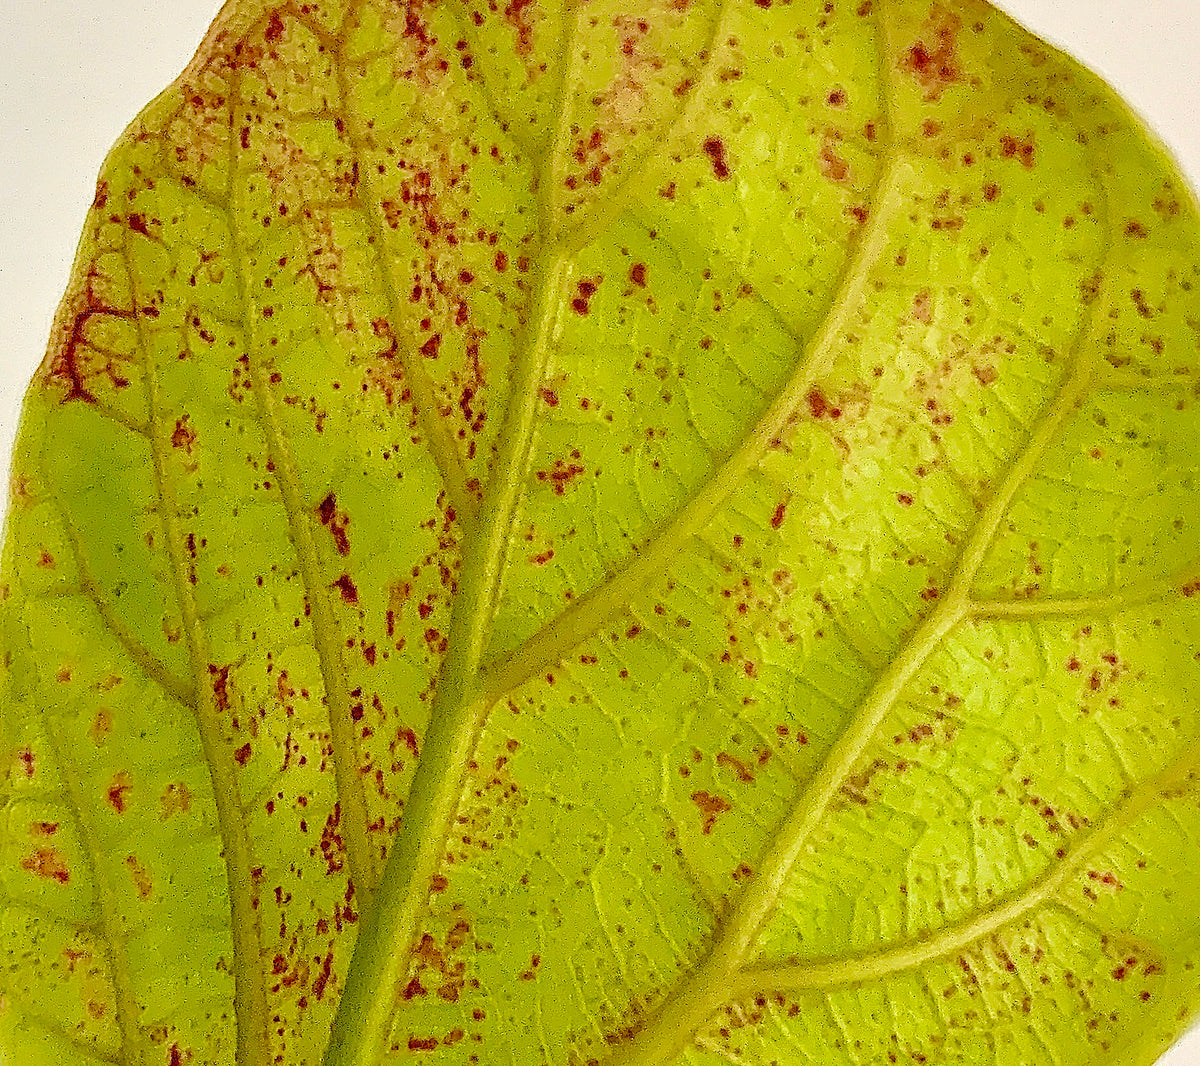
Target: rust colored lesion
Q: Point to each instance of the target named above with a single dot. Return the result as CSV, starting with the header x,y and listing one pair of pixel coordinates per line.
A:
x,y
933,59
67,365
711,807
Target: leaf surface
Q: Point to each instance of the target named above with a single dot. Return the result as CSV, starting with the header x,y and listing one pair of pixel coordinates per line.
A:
x,y
574,533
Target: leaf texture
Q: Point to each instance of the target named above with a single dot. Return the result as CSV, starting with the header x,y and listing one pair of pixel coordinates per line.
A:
x,y
590,533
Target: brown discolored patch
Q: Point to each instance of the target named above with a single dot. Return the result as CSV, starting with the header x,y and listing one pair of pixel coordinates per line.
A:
x,y
830,163
711,808
519,15
48,863
732,762
335,522
274,30
1022,149
562,473
922,307
714,148
141,877
117,792
637,274
585,289
220,685
184,436
176,799
347,588
933,59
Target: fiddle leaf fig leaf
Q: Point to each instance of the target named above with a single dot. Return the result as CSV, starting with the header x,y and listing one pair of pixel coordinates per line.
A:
x,y
579,532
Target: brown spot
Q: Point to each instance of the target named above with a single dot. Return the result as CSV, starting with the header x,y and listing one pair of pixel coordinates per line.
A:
x,y
242,755
336,523
220,684
933,59
517,14
417,1043
777,515
985,375
714,148
922,307
562,473
184,436
735,764
347,588
904,499
832,166
818,406
586,289
137,223
117,789
1135,229
43,829
46,862
176,799
637,274
1021,149
141,879
711,808
274,28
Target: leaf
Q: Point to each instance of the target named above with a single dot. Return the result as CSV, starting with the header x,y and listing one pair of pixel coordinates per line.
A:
x,y
637,536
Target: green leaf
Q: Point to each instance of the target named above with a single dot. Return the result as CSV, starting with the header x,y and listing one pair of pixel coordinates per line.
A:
x,y
568,534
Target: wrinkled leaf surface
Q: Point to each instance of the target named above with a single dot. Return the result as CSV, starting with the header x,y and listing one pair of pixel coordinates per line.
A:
x,y
617,533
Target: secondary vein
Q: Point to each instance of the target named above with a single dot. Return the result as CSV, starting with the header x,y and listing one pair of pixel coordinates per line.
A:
x,y
1182,773
585,615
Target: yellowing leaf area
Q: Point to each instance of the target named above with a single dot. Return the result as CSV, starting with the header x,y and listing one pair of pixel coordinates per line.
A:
x,y
595,533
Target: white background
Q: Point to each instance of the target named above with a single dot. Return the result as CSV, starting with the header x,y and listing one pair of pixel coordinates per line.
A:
x,y
73,73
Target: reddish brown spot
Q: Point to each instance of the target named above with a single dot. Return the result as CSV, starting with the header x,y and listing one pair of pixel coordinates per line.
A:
x,y
432,346
220,684
274,28
777,515
832,166
242,755
637,274
418,1043
328,513
562,473
732,762
1020,149
922,307
117,789
43,829
991,192
347,588
904,499
985,375
818,406
46,862
137,223
141,878
586,289
711,808
714,148
933,59
1135,229
517,14
184,436
176,798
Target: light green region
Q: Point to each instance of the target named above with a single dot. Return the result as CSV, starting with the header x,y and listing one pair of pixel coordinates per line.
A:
x,y
575,533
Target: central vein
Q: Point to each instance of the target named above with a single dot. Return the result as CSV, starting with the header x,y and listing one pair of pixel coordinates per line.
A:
x,y
362,1027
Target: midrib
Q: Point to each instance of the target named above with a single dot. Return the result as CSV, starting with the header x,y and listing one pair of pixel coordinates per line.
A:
x,y
362,1026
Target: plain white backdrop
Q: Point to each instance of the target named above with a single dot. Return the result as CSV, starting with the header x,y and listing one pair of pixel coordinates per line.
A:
x,y
73,73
